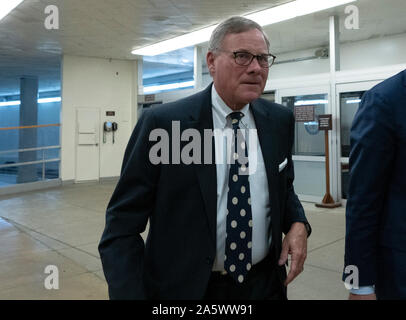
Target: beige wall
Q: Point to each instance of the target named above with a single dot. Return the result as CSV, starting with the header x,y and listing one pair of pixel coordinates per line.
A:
x,y
104,84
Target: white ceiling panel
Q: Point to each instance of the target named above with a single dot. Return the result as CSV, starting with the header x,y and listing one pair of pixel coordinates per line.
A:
x,y
113,28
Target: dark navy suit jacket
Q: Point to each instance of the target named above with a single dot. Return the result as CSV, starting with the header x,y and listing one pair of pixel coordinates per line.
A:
x,y
376,205
181,202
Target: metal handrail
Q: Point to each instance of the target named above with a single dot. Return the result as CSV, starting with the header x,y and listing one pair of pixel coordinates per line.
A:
x,y
20,164
30,149
31,127
43,161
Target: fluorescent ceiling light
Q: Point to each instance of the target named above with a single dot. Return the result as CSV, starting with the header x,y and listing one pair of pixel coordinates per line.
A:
x,y
310,102
42,100
48,100
280,13
353,101
9,103
186,40
6,6
170,86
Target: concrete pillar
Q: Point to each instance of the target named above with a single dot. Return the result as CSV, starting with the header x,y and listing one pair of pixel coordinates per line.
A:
x,y
28,137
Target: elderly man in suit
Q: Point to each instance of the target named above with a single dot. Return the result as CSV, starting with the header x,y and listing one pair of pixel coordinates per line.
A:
x,y
375,248
215,228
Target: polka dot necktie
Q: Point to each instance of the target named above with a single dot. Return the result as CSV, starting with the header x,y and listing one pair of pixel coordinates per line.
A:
x,y
239,216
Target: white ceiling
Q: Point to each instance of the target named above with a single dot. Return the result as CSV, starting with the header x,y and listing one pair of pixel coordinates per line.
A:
x,y
112,28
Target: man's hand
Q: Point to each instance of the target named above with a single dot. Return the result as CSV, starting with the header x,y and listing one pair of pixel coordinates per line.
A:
x,y
295,244
371,296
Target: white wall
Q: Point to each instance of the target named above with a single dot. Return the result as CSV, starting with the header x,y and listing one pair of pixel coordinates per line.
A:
x,y
382,51
377,52
104,84
92,82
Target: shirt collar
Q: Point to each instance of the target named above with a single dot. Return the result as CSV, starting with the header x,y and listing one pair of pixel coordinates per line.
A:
x,y
221,108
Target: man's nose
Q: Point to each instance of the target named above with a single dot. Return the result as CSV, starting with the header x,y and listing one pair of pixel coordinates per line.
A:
x,y
254,66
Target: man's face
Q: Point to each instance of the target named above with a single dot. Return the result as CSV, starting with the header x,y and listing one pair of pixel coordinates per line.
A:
x,y
238,85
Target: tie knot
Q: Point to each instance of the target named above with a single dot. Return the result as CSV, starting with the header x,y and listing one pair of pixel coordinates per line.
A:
x,y
236,117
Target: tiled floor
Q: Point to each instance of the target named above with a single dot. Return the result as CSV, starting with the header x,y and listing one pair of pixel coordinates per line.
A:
x,y
62,227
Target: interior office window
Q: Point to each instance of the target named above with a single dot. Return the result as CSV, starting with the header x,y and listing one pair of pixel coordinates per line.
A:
x,y
349,103
309,141
49,112
146,105
9,117
270,95
168,71
35,159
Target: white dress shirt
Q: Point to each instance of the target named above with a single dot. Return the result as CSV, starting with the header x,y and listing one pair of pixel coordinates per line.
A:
x,y
260,205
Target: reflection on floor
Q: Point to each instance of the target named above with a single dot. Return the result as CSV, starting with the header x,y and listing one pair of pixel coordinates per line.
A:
x,y
62,227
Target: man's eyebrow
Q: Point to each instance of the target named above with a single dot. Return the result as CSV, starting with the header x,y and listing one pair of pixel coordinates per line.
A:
x,y
247,51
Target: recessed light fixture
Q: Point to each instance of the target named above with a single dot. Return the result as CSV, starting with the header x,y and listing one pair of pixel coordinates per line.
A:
x,y
310,102
280,13
7,6
42,100
353,101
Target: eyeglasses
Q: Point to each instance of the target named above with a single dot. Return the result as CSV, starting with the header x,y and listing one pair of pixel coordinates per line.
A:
x,y
244,58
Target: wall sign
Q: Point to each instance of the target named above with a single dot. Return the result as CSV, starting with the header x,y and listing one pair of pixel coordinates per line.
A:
x,y
304,113
325,122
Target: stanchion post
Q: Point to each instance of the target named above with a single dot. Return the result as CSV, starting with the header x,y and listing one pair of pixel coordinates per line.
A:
x,y
325,123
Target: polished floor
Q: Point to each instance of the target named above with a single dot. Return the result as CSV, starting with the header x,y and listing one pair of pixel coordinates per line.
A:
x,y
62,227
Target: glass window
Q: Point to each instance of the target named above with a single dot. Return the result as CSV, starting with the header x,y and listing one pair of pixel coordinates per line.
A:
x,y
309,141
306,171
349,103
31,153
269,96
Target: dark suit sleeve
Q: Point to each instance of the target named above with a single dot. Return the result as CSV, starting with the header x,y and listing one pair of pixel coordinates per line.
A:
x,y
121,247
294,209
372,152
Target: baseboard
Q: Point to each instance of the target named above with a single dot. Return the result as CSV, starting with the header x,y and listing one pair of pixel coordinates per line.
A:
x,y
68,182
31,186
109,179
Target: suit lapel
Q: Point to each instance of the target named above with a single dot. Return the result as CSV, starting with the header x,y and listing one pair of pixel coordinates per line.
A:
x,y
267,129
202,119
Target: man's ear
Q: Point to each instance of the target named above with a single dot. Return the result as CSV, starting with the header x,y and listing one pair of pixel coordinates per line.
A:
x,y
210,62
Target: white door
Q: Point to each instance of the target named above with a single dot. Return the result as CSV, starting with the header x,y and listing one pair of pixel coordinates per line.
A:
x,y
87,144
308,154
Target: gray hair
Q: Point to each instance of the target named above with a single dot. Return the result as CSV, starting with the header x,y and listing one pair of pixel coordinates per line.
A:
x,y
233,25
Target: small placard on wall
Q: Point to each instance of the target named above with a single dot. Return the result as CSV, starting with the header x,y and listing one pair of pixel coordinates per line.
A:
x,y
149,98
304,113
110,113
325,122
